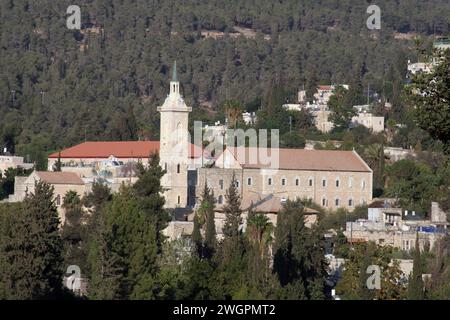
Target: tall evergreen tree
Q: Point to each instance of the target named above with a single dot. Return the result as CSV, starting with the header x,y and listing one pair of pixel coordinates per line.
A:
x,y
207,209
232,245
148,192
32,249
73,231
299,255
415,283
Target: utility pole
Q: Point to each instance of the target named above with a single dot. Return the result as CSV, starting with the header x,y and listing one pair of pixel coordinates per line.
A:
x,y
42,96
13,92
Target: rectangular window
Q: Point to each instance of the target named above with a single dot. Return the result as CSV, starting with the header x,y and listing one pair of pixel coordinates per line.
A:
x,y
337,183
249,181
297,182
269,181
324,183
283,182
310,182
221,184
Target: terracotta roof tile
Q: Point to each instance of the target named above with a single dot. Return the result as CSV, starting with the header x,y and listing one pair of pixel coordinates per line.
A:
x,y
59,177
118,149
301,159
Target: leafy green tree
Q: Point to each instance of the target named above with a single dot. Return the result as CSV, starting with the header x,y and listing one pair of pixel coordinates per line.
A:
x,y
412,183
341,110
353,283
430,94
298,255
73,233
132,236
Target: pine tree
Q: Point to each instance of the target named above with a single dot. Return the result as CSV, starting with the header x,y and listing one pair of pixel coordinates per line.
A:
x,y
32,249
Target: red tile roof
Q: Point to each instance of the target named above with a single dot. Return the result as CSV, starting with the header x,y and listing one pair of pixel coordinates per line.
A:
x,y
301,159
59,177
118,149
327,88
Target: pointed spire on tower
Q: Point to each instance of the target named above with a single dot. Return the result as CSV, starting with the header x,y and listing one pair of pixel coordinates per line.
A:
x,y
174,71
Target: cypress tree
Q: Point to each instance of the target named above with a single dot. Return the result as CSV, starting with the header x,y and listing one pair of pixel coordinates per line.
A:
x,y
232,234
197,238
148,192
73,231
207,206
415,283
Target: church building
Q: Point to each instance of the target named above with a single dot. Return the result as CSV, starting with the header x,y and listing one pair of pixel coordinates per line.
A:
x,y
332,179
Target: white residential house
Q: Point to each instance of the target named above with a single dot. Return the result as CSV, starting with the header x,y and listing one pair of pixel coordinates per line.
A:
x,y
368,120
8,161
249,117
419,67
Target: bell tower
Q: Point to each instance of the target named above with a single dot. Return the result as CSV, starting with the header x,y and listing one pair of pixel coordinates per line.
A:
x,y
174,145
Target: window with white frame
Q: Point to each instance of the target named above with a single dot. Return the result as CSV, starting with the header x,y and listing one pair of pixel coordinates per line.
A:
x,y
350,182
324,201
337,202
350,202
221,184
310,182
283,181
324,182
338,182
249,181
269,181
297,182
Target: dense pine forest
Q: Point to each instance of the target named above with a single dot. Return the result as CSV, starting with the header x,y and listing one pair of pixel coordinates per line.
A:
x,y
60,86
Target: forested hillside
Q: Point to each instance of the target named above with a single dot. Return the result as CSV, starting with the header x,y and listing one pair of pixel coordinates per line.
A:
x,y
60,86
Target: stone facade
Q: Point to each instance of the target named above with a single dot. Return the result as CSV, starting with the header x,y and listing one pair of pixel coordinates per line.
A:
x,y
174,146
330,189
14,162
368,120
64,183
